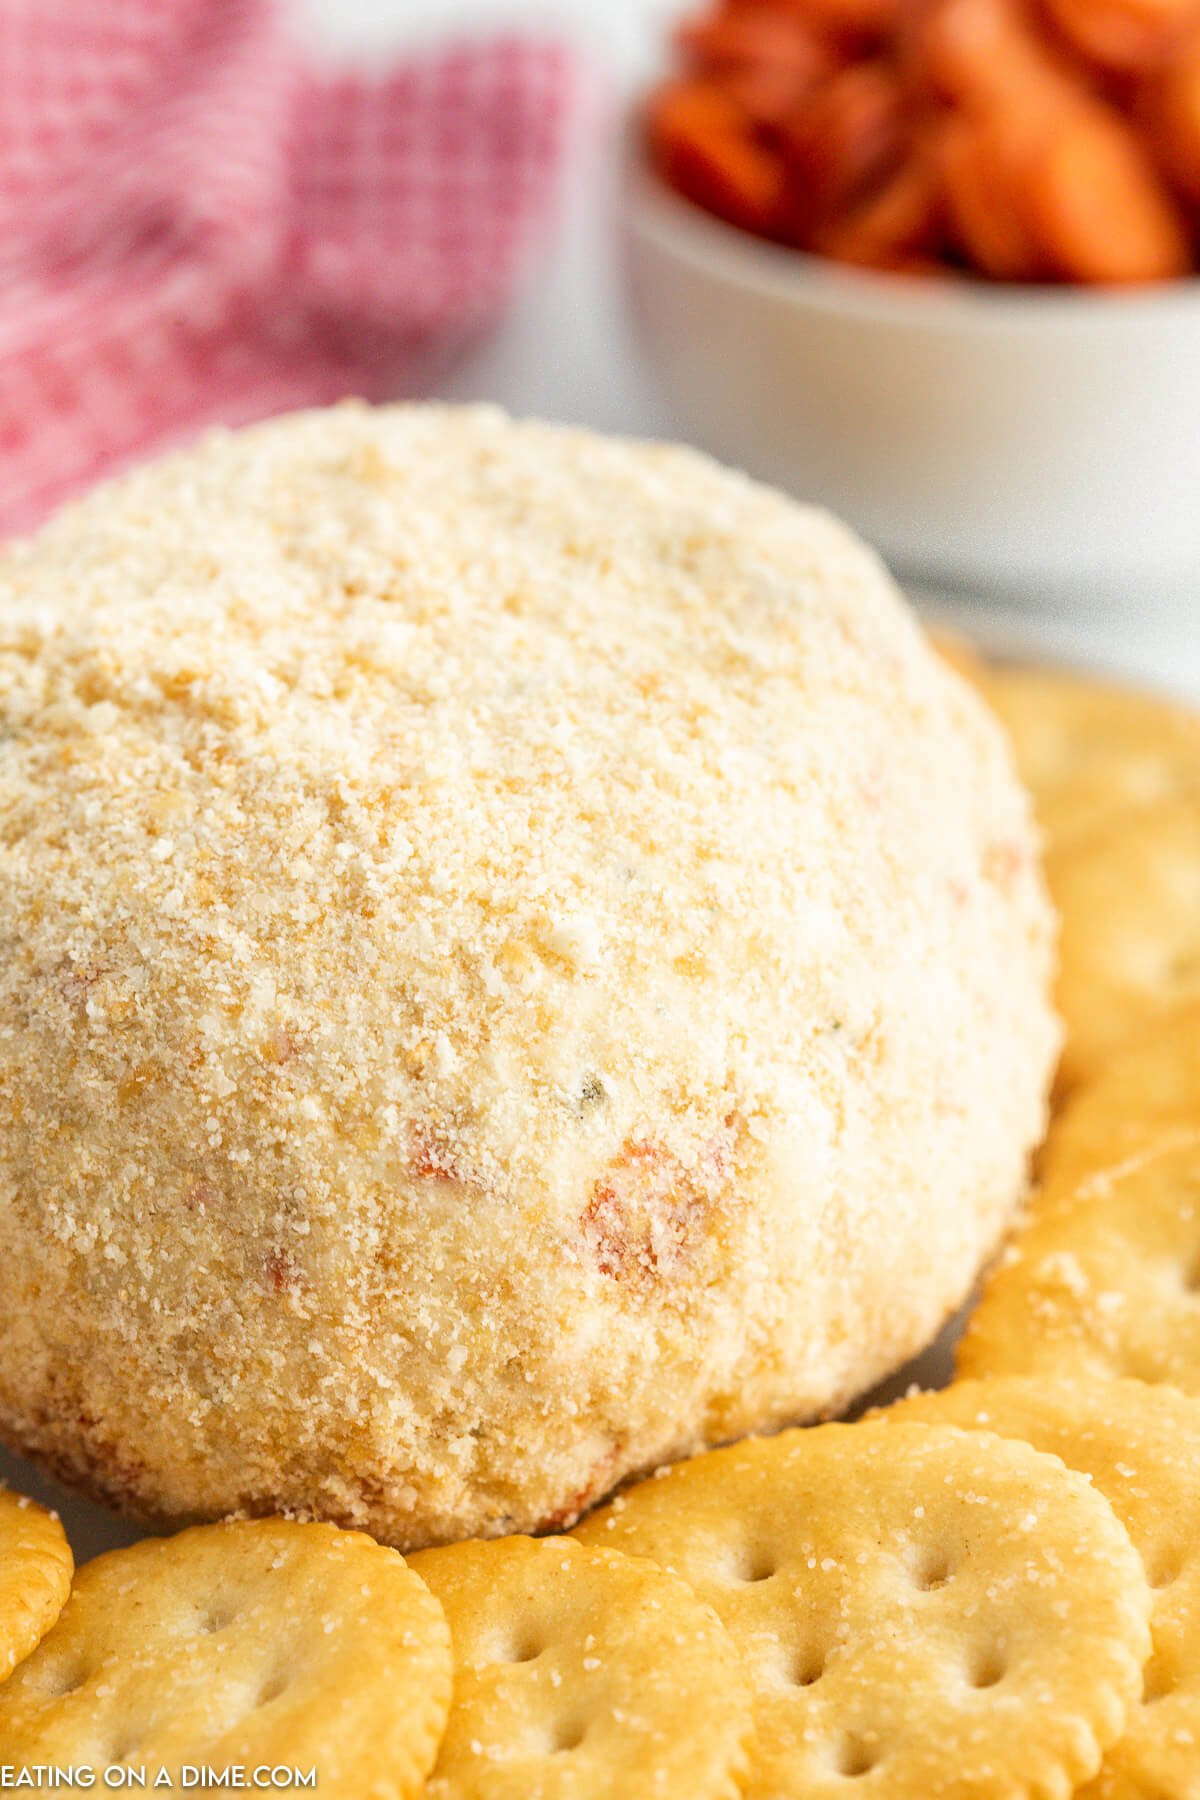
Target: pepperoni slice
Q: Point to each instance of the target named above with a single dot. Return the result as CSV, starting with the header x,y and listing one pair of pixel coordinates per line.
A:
x,y
753,37
1126,37
846,141
1173,110
983,169
872,19
983,54
704,145
769,96
1029,140
893,229
1099,208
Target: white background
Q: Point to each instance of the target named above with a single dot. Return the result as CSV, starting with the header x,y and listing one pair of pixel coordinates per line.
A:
x,y
570,352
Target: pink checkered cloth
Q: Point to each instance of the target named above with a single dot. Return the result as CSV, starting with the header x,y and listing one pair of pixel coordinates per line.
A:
x,y
197,226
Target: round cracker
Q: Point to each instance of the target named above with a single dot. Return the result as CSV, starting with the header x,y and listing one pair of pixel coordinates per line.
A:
x,y
1149,1090
1141,1448
949,1613
583,1675
35,1576
261,1641
1088,750
1129,899
1102,1280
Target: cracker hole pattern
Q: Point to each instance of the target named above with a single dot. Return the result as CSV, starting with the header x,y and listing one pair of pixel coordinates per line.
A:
x,y
525,1649
1164,1567
215,1619
803,1669
59,1682
987,1665
932,1568
567,1734
756,1565
853,1757
1157,1682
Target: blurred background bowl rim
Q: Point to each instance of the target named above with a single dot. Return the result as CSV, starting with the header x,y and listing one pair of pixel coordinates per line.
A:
x,y
781,272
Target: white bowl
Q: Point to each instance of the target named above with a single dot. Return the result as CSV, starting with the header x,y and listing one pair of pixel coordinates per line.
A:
x,y
1017,439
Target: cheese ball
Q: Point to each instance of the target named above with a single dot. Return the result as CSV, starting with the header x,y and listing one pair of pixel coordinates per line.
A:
x,y
518,963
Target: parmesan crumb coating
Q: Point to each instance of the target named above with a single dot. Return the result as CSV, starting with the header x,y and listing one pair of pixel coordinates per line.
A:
x,y
516,962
